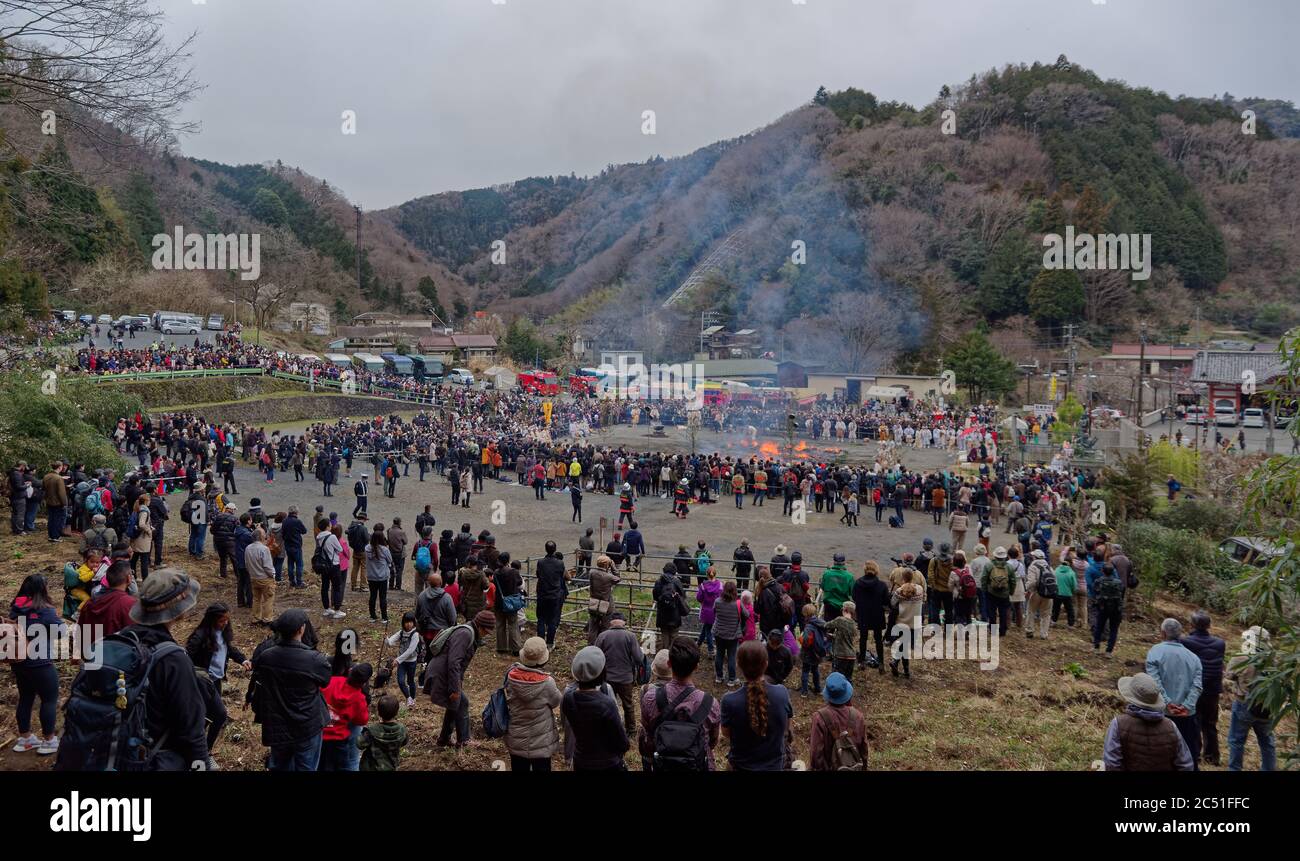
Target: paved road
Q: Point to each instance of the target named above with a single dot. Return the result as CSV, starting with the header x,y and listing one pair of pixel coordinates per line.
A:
x,y
1256,438
523,524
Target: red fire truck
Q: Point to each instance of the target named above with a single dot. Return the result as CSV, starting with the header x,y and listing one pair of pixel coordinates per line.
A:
x,y
539,382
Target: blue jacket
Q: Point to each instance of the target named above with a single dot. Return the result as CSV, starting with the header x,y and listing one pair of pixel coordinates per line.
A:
x,y
633,543
243,538
1177,671
1091,576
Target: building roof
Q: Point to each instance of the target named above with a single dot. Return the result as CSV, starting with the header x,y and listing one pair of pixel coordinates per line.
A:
x,y
457,341
738,368
1223,366
1154,351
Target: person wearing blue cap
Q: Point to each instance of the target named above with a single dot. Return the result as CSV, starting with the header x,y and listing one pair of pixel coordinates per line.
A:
x,y
839,732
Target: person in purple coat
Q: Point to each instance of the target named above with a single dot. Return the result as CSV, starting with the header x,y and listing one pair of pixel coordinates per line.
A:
x,y
707,593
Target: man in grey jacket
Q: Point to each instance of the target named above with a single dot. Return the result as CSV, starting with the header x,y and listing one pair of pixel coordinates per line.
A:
x,y
623,658
445,674
434,610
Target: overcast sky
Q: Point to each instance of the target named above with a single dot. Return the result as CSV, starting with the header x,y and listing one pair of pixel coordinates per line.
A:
x,y
453,94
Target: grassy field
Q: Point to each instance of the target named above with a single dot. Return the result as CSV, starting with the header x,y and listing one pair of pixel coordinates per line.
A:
x,y
1046,707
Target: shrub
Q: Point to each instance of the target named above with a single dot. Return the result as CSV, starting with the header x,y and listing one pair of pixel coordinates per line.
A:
x,y
1185,562
72,424
1210,519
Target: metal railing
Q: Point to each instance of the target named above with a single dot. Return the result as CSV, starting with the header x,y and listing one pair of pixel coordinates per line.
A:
x,y
632,597
139,376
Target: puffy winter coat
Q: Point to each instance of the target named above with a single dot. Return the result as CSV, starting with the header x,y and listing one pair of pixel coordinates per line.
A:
x,y
532,696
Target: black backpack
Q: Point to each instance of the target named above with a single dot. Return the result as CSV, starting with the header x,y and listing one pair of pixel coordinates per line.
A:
x,y
1110,593
320,560
104,726
681,745
1047,587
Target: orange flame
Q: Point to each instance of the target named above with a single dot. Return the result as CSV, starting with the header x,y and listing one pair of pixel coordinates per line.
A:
x,y
769,449
802,446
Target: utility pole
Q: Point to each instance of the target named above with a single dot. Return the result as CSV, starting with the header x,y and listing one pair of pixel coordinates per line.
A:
x,y
358,211
1072,354
1142,369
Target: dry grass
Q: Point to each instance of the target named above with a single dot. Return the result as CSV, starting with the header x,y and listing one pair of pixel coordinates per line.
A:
x,y
1030,714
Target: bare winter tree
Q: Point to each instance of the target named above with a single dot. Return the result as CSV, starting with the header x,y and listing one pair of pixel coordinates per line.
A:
x,y
96,63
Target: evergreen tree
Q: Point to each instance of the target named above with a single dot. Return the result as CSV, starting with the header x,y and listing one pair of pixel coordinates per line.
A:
x,y
822,97
980,368
269,207
1004,283
429,293
1056,296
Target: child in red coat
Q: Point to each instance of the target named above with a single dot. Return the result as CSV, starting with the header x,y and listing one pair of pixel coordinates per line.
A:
x,y
349,706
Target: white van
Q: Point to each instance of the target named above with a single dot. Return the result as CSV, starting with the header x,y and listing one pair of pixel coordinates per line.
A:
x,y
1225,416
1253,417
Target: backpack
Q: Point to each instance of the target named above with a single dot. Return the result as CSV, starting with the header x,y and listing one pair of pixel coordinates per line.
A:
x,y
186,510
94,503
894,522
999,581
496,714
274,544
969,588
320,560
681,745
423,559
96,538
1047,583
813,641
133,525
1132,579
440,642
104,727
702,562
845,756
1110,594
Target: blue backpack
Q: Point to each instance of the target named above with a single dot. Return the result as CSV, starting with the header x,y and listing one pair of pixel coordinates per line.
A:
x,y
423,559
133,525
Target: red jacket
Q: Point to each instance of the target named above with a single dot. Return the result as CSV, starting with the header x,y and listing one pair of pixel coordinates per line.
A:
x,y
111,608
347,707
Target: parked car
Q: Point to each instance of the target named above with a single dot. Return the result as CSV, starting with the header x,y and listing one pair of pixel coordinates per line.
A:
x,y
1281,420
1195,415
461,377
1226,416
1253,417
68,316
180,327
216,322
1251,551
105,320
86,319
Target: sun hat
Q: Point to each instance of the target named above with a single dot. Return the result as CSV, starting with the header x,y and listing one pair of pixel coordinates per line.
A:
x,y
534,653
166,595
780,550
999,553
1142,691
837,689
660,668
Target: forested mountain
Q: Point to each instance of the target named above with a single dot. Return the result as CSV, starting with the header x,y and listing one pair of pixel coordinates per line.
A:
x,y
853,230
896,214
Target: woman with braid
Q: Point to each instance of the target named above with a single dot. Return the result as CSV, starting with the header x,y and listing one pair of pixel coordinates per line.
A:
x,y
756,718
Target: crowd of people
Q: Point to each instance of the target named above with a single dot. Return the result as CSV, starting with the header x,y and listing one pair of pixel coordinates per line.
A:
x,y
316,712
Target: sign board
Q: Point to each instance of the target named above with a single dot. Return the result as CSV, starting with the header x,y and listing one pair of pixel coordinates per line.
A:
x,y
1042,410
